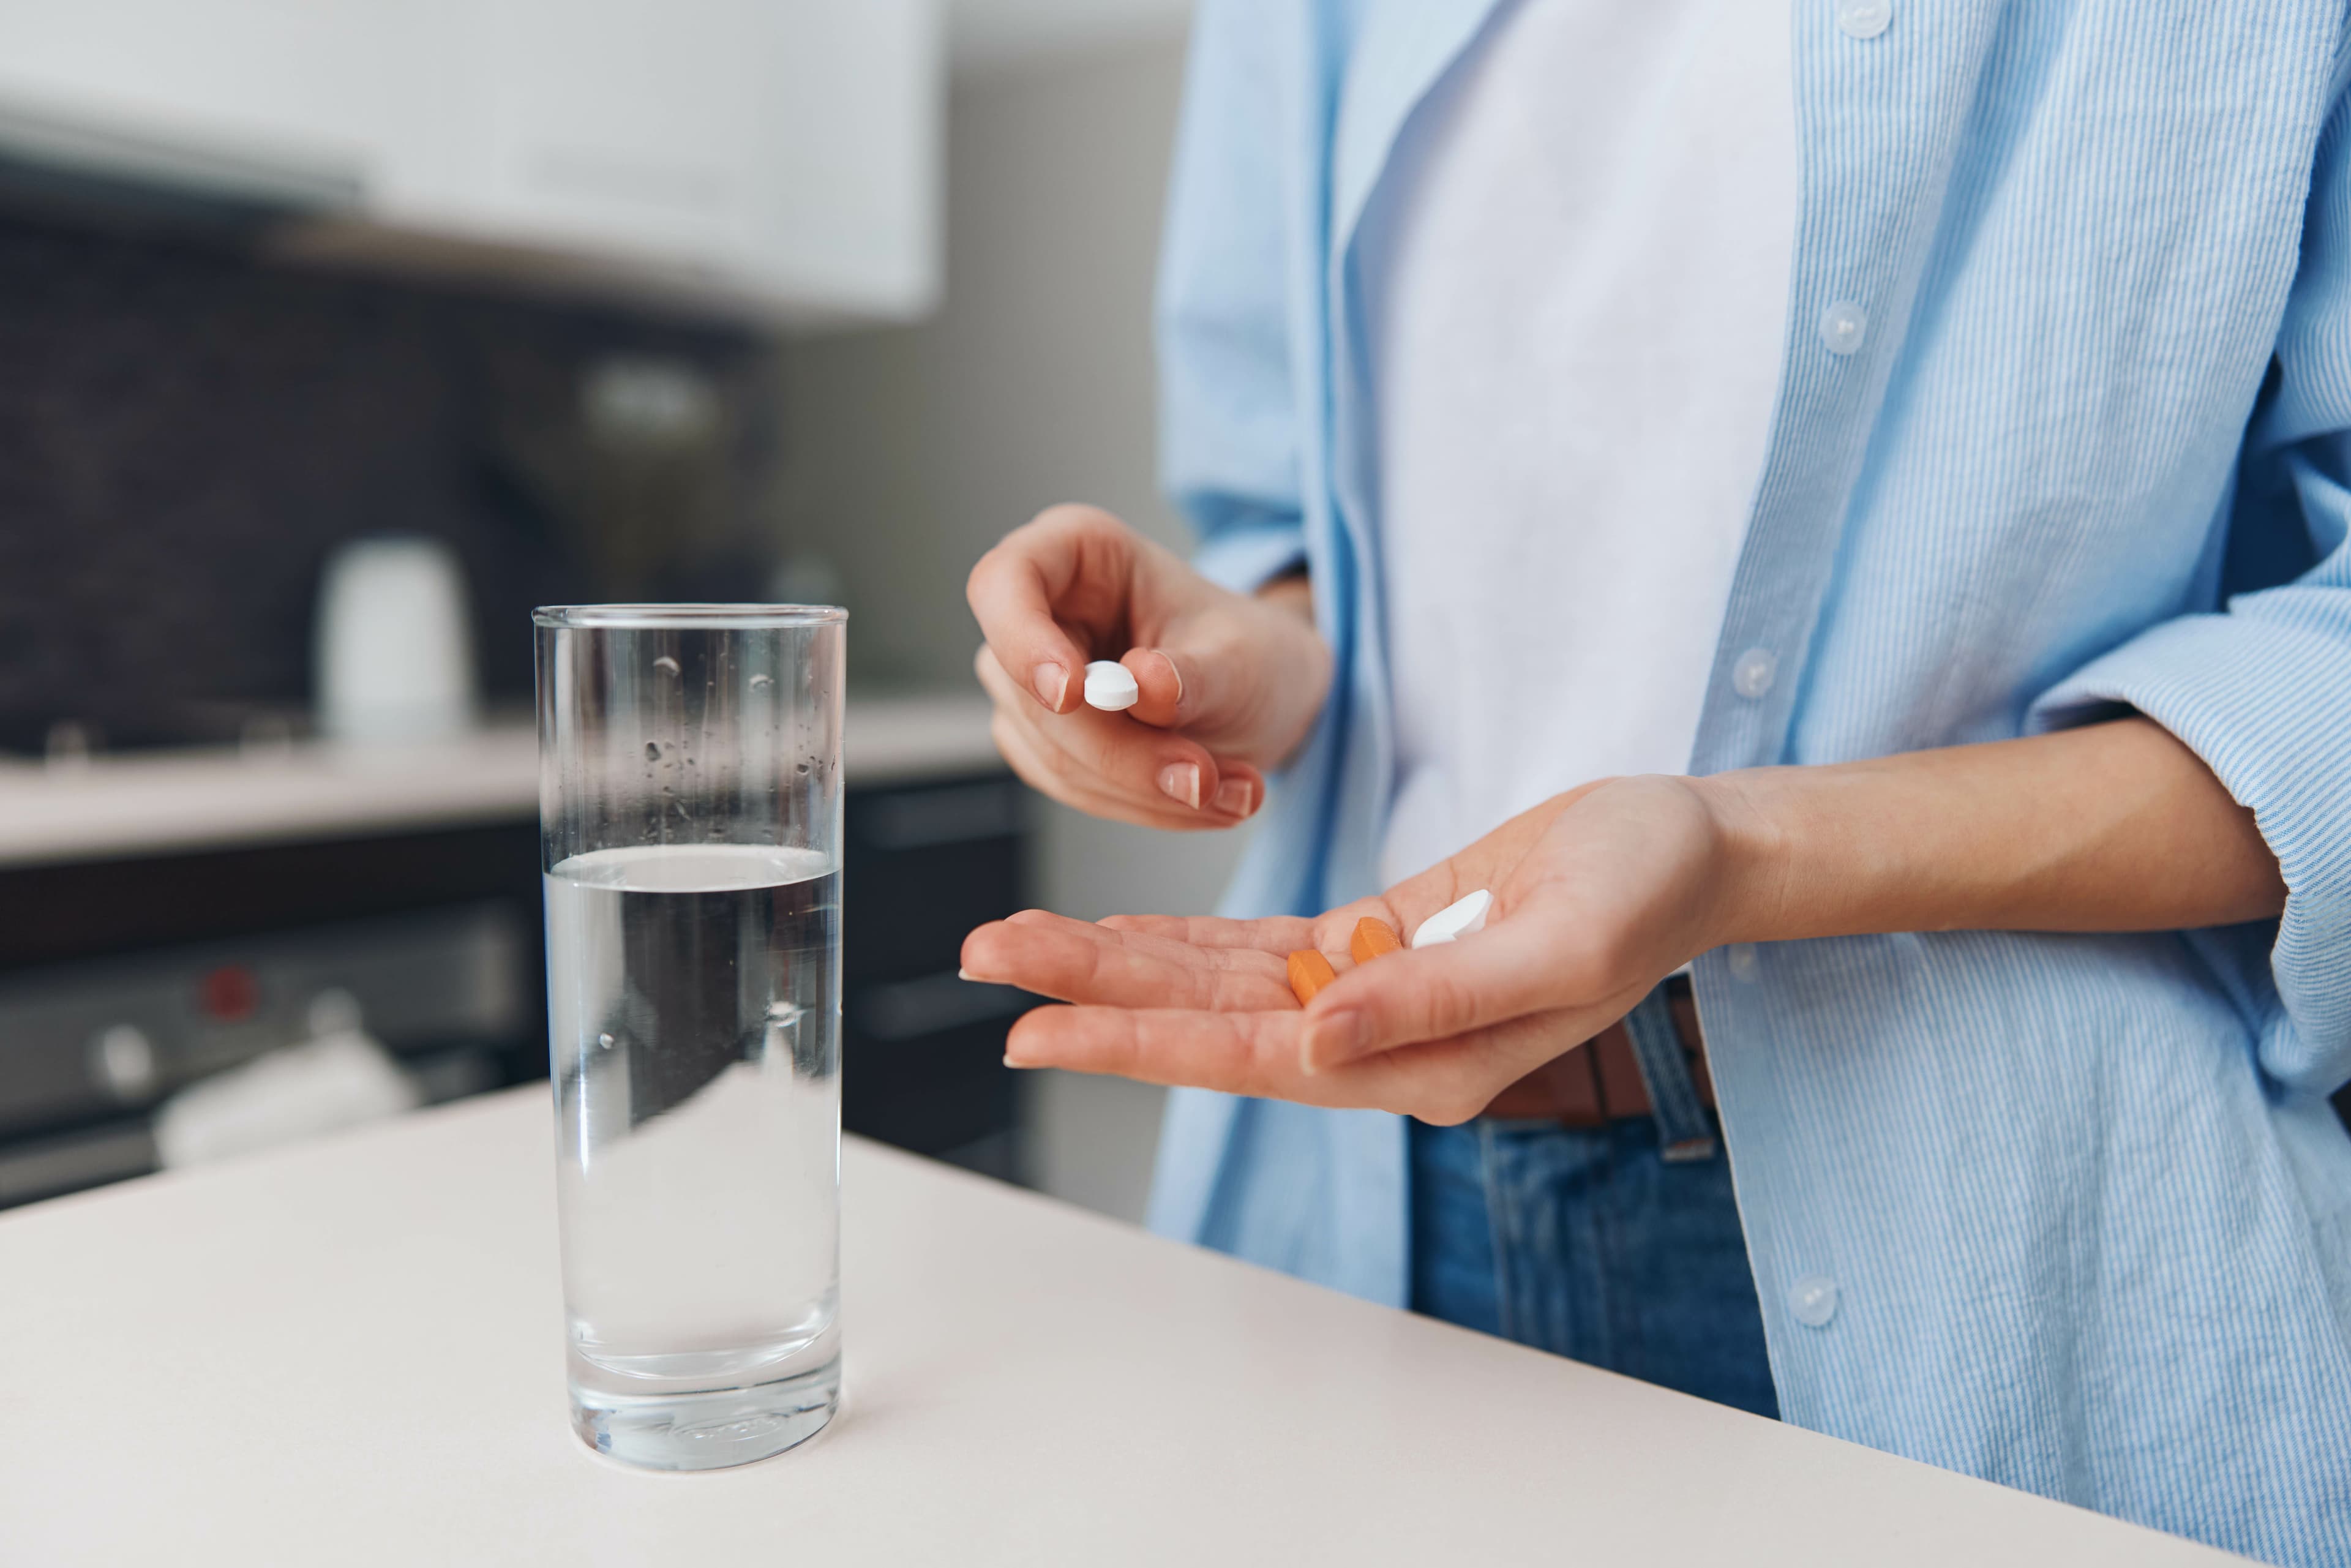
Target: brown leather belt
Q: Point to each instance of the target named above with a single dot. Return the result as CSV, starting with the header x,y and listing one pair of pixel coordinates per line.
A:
x,y
1599,1081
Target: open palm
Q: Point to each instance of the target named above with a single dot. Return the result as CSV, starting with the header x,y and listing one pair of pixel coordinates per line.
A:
x,y
1599,893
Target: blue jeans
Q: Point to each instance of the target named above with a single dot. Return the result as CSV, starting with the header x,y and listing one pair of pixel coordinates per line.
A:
x,y
1589,1245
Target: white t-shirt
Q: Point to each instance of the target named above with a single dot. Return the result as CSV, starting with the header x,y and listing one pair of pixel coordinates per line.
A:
x,y
1577,282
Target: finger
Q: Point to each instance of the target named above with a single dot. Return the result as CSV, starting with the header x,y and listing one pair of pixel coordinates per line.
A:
x,y
1253,1053
1044,574
1045,770
1278,934
1175,689
1161,692
1074,960
1236,1053
1048,768
1200,670
1134,763
1520,964
1448,1081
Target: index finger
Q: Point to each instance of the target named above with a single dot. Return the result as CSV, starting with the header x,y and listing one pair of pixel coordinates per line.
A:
x,y
1021,590
1077,962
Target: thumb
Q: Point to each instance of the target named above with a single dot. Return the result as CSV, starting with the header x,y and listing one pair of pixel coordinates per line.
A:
x,y
1186,681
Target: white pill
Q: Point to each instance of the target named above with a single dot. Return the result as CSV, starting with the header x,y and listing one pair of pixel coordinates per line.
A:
x,y
1456,919
1110,687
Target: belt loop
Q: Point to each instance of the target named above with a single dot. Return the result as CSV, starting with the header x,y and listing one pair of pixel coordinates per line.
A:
x,y
1683,1133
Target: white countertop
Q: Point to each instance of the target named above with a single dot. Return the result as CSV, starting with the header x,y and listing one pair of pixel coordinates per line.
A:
x,y
157,802
350,1352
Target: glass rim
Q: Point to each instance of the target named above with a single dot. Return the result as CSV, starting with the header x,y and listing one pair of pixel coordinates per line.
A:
x,y
686,617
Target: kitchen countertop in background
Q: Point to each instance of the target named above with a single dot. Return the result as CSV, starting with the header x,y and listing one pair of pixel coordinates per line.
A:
x,y
164,802
351,1352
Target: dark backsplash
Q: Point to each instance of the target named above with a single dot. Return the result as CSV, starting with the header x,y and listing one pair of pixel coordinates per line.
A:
x,y
187,429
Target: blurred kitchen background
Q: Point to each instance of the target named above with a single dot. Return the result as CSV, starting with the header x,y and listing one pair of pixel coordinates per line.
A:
x,y
334,338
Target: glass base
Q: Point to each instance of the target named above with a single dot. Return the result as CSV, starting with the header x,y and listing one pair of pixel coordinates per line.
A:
x,y
710,1429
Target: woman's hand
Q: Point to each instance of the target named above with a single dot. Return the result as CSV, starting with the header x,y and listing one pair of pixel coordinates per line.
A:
x,y
1598,894
1601,893
1230,684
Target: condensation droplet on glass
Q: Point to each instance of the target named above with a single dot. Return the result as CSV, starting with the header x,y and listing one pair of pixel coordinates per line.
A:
x,y
603,1042
652,751
667,664
801,768
762,682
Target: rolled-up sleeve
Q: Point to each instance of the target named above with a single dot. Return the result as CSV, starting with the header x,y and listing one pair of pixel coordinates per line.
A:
x,y
2260,690
1229,448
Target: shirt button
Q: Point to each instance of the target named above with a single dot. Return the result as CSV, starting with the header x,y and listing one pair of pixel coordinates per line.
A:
x,y
1863,18
1744,962
1813,1300
1751,674
1842,326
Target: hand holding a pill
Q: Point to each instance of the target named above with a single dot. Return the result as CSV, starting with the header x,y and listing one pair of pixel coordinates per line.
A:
x,y
1128,685
1595,895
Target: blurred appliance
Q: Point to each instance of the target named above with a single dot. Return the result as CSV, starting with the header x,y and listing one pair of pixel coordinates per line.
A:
x,y
89,1051
778,159
394,656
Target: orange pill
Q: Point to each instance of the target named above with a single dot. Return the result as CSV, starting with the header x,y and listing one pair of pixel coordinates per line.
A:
x,y
1309,973
1373,940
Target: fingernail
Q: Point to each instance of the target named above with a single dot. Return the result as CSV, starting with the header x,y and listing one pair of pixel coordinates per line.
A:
x,y
1175,672
1236,796
1052,684
1334,1039
1181,780
965,975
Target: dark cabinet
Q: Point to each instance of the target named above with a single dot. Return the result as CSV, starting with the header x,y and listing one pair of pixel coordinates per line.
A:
x,y
921,1050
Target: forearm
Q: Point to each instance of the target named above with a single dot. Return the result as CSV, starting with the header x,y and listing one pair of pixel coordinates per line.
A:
x,y
2111,827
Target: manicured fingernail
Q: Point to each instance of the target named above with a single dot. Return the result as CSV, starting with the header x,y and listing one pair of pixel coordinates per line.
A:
x,y
1332,1039
1181,781
1175,672
965,975
1236,796
1052,684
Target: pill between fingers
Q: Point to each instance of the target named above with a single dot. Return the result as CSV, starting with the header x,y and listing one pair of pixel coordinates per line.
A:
x,y
1110,687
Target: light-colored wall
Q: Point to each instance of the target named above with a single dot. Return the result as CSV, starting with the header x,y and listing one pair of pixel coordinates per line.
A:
x,y
913,450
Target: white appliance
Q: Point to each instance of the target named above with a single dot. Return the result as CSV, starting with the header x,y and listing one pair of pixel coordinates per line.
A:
x,y
394,654
772,158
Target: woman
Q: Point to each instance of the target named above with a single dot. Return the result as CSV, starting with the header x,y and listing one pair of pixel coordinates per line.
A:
x,y
1850,499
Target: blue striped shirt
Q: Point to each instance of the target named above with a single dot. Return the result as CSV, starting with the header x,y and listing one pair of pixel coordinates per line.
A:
x,y
2084,1205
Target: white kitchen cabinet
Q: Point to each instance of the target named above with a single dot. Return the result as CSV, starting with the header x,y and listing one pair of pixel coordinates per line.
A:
x,y
779,156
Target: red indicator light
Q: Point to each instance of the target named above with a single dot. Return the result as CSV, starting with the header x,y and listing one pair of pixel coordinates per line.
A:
x,y
230,993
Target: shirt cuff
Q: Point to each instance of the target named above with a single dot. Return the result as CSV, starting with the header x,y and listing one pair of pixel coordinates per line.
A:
x,y
2265,701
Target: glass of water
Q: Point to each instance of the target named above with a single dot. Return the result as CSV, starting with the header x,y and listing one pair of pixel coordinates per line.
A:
x,y
690,825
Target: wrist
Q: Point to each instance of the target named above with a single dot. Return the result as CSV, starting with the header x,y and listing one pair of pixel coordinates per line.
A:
x,y
1755,856
1292,674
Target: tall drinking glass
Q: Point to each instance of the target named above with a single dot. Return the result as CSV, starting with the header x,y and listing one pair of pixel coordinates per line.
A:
x,y
690,820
